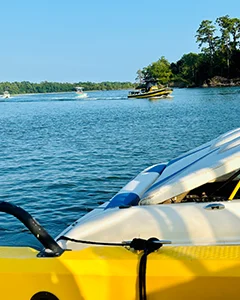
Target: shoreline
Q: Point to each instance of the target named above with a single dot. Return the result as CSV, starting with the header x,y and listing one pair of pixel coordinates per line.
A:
x,y
216,81
91,91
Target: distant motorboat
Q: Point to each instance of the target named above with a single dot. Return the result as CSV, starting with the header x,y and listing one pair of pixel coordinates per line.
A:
x,y
154,92
80,93
6,95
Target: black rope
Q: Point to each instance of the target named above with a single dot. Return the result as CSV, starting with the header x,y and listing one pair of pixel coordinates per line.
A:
x,y
65,238
148,246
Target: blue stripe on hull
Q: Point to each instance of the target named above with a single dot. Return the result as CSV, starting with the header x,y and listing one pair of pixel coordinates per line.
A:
x,y
131,198
158,169
163,181
186,155
123,199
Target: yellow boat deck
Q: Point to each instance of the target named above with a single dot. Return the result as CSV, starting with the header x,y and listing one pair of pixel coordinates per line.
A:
x,y
184,272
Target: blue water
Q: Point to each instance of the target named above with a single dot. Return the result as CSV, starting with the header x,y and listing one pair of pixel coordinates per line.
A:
x,y
60,155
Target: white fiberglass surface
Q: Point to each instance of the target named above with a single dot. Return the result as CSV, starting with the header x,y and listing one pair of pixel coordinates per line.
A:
x,y
183,224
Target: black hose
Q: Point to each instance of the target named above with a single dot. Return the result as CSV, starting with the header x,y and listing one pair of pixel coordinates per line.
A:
x,y
36,229
148,246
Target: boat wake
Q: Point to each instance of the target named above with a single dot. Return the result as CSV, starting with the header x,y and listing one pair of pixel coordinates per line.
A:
x,y
107,98
59,97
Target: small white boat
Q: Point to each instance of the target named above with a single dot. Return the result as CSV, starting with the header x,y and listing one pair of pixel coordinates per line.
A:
x,y
6,95
193,199
80,93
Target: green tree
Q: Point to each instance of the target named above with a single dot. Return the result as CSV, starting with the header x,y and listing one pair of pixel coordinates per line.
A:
x,y
228,42
48,87
188,67
140,76
205,35
225,39
230,29
158,71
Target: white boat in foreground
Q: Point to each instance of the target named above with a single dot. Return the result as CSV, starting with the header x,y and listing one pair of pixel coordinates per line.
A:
x,y
193,199
80,93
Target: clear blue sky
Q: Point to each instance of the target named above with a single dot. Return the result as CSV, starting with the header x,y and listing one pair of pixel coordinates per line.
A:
x,y
107,40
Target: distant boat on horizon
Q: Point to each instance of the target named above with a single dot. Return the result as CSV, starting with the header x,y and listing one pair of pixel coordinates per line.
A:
x,y
6,95
80,93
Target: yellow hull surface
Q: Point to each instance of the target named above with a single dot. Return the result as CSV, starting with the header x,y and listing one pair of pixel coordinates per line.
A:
x,y
97,273
150,94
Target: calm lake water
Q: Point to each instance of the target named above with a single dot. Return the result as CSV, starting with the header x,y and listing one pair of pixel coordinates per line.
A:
x,y
60,155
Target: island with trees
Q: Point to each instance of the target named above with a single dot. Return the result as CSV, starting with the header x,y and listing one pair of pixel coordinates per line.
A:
x,y
217,64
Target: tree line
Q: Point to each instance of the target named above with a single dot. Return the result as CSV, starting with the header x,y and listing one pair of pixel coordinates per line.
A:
x,y
26,87
219,58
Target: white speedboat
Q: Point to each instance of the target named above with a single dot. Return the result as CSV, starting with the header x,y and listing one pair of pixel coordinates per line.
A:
x,y
6,95
193,199
80,93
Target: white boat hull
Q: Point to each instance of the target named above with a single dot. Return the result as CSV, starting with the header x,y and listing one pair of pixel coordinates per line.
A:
x,y
182,224
134,212
82,95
